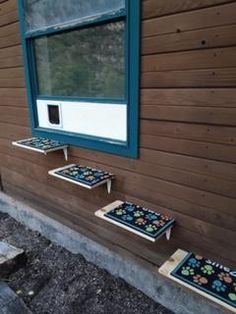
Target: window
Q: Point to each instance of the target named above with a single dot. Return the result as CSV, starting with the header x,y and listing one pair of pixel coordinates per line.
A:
x,y
82,69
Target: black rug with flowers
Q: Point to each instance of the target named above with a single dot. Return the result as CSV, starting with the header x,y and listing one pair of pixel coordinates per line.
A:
x,y
208,276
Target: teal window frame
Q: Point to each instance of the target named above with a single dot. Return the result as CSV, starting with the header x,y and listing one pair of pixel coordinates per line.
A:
x,y
130,148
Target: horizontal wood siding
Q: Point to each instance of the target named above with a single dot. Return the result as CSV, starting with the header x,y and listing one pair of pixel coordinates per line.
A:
x,y
187,163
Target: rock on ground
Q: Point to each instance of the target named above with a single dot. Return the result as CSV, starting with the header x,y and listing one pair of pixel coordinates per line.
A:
x,y
10,258
55,281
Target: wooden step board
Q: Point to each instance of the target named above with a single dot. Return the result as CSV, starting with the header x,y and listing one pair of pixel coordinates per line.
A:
x,y
84,176
42,145
207,278
136,219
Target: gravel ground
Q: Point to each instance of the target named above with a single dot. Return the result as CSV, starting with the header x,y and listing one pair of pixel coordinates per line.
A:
x,y
55,281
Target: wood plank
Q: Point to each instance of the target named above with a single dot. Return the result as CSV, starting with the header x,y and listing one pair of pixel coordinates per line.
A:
x,y
9,30
200,19
13,132
195,132
225,77
192,165
13,102
15,73
212,37
7,7
210,168
48,162
14,115
210,115
190,148
11,40
150,8
180,176
197,97
13,92
14,82
13,97
194,240
147,188
8,18
11,52
11,62
190,60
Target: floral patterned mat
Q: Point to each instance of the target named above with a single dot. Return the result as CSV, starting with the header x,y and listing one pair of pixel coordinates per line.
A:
x,y
141,219
40,143
208,276
86,175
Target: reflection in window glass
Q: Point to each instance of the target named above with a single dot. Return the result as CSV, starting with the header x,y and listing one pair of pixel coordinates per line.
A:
x,y
82,63
45,13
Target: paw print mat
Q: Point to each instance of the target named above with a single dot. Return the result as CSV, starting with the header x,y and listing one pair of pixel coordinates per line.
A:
x,y
40,143
85,175
141,219
208,276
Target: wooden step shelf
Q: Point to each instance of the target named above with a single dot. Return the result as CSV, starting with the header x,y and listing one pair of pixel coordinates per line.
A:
x,y
203,276
84,176
138,220
42,145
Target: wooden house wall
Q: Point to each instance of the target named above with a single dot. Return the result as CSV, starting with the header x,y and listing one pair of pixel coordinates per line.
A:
x,y
187,135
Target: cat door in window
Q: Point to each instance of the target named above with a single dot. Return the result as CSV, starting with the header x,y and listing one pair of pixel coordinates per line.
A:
x,y
54,116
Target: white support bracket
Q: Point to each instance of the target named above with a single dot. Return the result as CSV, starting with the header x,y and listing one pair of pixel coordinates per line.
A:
x,y
168,234
109,186
65,150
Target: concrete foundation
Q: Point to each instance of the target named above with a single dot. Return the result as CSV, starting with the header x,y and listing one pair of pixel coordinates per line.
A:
x,y
162,290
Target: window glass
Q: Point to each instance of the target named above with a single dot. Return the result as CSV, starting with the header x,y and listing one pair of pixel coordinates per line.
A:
x,y
83,63
45,13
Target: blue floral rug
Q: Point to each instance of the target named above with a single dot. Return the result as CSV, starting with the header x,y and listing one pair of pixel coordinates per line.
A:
x,y
208,276
140,219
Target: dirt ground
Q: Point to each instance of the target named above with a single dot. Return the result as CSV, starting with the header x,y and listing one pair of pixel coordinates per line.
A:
x,y
55,281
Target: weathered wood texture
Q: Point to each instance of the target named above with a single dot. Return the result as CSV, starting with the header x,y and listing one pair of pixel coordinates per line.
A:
x,y
187,164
